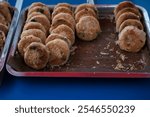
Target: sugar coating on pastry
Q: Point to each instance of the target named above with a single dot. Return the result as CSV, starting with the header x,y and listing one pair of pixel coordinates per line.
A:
x,y
123,5
34,25
59,52
60,21
88,28
2,39
54,36
41,19
32,15
64,16
25,42
131,39
123,17
131,22
35,32
63,5
128,9
36,56
43,10
3,28
4,10
66,32
85,12
61,10
86,5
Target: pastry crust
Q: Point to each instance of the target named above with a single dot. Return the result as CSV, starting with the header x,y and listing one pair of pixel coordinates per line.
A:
x,y
125,16
66,32
131,39
36,56
35,32
88,28
2,39
85,12
131,22
34,25
59,52
63,5
4,28
123,5
25,42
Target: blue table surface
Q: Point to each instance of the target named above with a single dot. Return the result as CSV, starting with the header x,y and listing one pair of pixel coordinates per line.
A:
x,y
19,88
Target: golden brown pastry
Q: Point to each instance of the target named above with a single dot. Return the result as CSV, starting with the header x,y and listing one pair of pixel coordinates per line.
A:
x,y
44,10
123,5
4,28
61,10
58,22
32,15
35,4
86,5
85,12
41,19
25,42
57,36
125,16
2,39
36,56
131,22
66,32
59,52
64,16
4,10
131,39
3,20
63,5
88,28
34,25
35,32
128,9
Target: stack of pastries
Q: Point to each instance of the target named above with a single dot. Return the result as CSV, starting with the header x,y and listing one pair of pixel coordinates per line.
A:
x,y
128,24
87,24
32,40
5,21
62,34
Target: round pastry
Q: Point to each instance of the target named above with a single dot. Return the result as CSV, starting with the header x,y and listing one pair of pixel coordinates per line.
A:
x,y
56,36
131,22
66,32
58,22
88,28
59,52
131,39
4,10
3,20
44,10
2,39
128,9
32,15
64,16
34,25
123,5
36,56
63,5
85,12
4,28
35,4
41,19
25,42
86,5
123,17
35,32
61,10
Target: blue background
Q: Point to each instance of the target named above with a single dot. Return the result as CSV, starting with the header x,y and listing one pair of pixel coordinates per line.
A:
x,y
19,88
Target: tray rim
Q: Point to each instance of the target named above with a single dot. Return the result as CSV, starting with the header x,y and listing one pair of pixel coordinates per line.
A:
x,y
78,74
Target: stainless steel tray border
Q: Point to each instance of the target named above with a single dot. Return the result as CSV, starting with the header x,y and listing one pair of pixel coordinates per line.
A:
x,y
78,74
